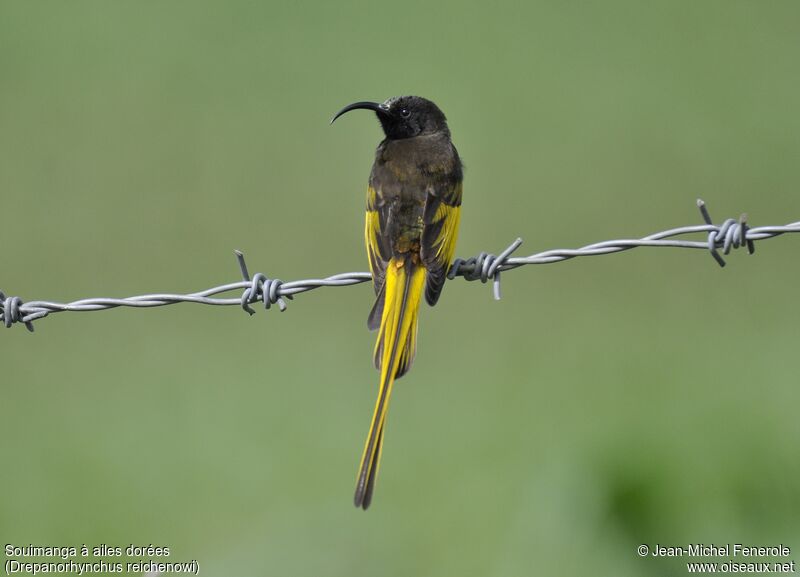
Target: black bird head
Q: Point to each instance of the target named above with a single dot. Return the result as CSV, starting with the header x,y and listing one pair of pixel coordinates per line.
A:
x,y
404,116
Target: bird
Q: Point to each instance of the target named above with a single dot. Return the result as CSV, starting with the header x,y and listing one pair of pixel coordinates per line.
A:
x,y
412,217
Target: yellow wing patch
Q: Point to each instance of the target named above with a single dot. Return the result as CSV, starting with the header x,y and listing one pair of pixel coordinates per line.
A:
x,y
372,232
442,216
445,243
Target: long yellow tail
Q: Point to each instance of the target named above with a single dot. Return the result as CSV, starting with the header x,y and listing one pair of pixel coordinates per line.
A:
x,y
394,351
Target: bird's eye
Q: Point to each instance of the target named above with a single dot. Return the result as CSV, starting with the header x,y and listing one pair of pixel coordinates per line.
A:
x,y
405,112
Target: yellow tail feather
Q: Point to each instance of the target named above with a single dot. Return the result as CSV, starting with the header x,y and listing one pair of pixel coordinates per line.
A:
x,y
394,353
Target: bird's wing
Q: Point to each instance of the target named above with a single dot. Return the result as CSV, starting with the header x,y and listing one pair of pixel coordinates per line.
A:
x,y
439,234
376,251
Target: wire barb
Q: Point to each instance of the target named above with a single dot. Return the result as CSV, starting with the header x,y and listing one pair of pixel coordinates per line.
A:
x,y
483,267
730,234
10,312
261,289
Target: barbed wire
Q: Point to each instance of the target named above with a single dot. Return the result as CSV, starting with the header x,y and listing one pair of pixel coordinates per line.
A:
x,y
732,233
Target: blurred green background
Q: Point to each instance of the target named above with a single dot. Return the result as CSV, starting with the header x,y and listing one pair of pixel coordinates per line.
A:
x,y
647,397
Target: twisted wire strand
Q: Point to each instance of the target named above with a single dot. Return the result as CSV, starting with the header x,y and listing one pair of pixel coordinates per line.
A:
x,y
731,234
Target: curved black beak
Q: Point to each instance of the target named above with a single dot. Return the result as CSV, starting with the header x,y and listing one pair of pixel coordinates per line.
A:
x,y
376,107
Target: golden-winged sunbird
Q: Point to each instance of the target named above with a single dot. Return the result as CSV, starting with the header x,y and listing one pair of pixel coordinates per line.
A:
x,y
413,208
